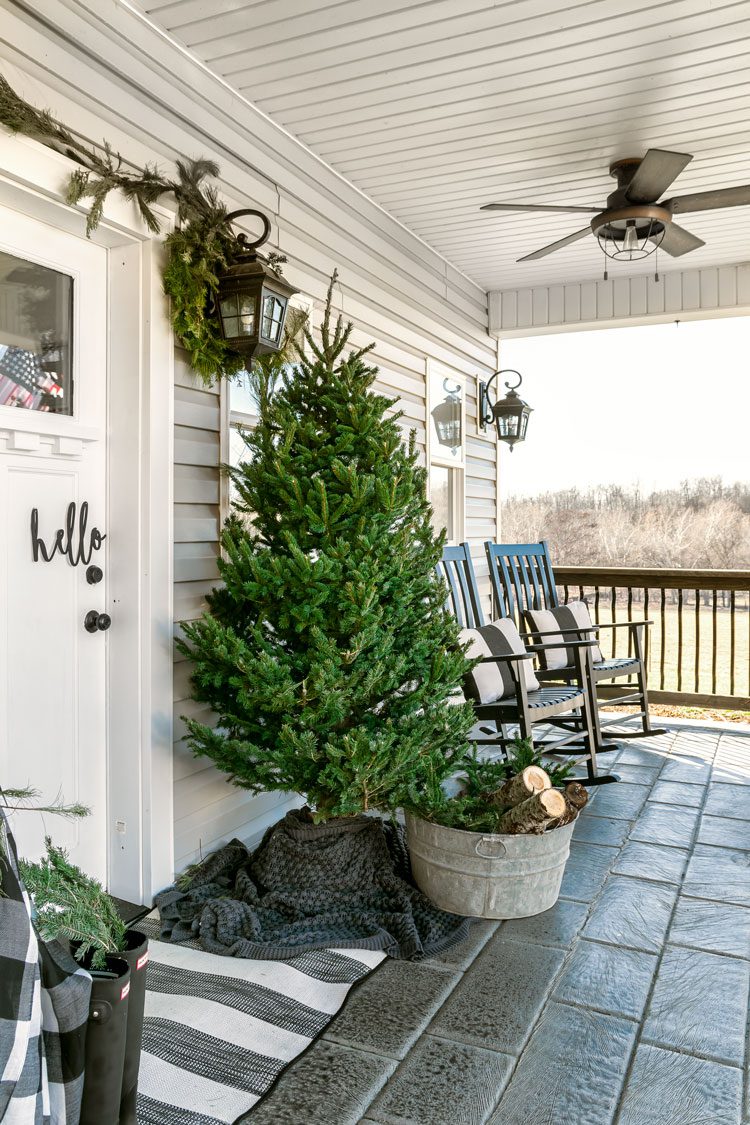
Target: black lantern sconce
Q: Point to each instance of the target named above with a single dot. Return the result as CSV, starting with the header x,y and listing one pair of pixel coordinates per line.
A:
x,y
252,298
510,414
447,416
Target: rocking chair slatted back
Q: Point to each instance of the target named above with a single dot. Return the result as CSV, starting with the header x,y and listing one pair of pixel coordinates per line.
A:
x,y
522,578
457,571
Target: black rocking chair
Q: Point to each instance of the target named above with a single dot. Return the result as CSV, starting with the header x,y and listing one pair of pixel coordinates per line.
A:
x,y
522,581
564,706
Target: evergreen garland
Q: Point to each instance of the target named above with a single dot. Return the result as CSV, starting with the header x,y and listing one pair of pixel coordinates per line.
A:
x,y
327,653
197,251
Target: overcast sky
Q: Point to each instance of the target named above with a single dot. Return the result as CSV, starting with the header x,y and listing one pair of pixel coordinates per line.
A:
x,y
652,405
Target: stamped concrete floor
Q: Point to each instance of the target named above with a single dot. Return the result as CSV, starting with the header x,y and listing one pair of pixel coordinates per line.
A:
x,y
626,1003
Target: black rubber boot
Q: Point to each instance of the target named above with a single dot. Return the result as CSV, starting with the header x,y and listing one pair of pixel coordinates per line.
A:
x,y
136,956
105,1044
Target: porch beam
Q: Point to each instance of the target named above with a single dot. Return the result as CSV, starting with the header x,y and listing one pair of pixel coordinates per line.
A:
x,y
711,292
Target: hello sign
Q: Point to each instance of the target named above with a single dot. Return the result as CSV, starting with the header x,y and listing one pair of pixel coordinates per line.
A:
x,y
73,540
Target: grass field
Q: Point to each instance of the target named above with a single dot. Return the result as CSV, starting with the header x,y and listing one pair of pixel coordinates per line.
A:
x,y
722,682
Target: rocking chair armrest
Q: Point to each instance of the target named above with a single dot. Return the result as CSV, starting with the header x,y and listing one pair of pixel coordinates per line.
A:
x,y
568,644
556,632
510,657
623,624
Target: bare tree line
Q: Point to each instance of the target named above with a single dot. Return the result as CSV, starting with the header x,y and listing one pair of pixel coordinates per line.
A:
x,y
703,524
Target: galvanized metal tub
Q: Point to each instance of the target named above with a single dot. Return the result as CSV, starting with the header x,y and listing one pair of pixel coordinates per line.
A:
x,y
488,876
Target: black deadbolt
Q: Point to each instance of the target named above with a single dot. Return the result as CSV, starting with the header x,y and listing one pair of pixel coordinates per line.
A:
x,y
94,574
95,622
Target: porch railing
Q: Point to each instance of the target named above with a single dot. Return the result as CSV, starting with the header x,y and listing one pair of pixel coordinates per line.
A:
x,y
698,649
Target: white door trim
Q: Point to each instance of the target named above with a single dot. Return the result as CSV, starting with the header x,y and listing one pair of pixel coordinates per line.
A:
x,y
140,384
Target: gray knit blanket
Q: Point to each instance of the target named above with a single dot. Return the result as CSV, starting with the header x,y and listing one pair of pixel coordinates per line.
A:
x,y
338,885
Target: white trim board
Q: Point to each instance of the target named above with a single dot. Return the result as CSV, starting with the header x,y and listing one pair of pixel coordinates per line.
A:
x,y
679,295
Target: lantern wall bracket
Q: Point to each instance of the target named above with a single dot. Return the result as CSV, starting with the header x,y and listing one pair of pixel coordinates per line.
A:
x,y
509,414
242,238
486,415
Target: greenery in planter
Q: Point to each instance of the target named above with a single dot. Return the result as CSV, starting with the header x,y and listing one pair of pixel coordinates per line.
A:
x,y
327,654
197,251
72,906
475,808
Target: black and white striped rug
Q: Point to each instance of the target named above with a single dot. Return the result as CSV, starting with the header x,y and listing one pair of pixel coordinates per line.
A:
x,y
219,1030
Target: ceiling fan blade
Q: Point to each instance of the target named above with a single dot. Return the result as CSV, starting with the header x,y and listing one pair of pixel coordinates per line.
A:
x,y
545,250
678,241
710,200
536,207
655,173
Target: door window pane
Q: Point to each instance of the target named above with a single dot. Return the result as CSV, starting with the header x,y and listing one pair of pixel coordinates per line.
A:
x,y
36,337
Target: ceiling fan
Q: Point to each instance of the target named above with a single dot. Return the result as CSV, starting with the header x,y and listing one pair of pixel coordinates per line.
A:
x,y
633,224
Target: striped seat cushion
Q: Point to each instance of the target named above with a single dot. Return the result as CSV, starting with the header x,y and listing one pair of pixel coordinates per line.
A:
x,y
572,615
487,683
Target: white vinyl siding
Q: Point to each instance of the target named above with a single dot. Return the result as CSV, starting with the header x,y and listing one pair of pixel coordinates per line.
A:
x,y
108,75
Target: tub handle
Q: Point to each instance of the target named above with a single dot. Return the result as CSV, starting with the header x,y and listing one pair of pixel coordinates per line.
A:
x,y
493,844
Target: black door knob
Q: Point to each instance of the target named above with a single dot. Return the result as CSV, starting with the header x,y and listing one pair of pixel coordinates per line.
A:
x,y
94,574
95,622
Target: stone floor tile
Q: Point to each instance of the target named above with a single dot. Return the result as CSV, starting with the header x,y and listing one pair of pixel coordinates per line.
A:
x,y
650,861
643,754
460,956
678,793
558,926
632,913
699,1004
571,1071
601,830
621,800
728,800
665,825
719,874
609,979
728,772
640,775
666,1088
690,770
716,927
441,1081
498,1000
587,867
723,831
329,1083
696,743
389,1010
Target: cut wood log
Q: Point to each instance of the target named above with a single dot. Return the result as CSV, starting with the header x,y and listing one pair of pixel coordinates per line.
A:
x,y
577,794
576,798
534,814
519,788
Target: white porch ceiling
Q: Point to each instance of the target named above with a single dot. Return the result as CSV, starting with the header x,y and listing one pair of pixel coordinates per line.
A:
x,y
434,108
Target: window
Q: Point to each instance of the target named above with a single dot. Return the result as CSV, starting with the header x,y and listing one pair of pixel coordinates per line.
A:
x,y
36,336
446,440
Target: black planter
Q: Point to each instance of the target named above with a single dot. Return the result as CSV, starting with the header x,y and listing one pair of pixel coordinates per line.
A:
x,y
136,955
106,1034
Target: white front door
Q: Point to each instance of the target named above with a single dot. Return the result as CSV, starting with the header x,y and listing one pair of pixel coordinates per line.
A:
x,y
54,532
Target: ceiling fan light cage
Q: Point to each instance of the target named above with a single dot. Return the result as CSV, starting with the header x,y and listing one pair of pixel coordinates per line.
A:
x,y
632,242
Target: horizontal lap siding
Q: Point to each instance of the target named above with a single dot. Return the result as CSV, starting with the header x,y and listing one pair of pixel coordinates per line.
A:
x,y
208,811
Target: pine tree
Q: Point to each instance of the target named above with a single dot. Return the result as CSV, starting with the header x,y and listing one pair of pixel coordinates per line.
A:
x,y
327,653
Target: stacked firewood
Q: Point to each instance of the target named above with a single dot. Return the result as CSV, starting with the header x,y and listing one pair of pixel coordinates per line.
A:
x,y
532,805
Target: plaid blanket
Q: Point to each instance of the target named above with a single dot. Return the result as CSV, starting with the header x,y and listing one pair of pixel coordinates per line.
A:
x,y
44,1007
